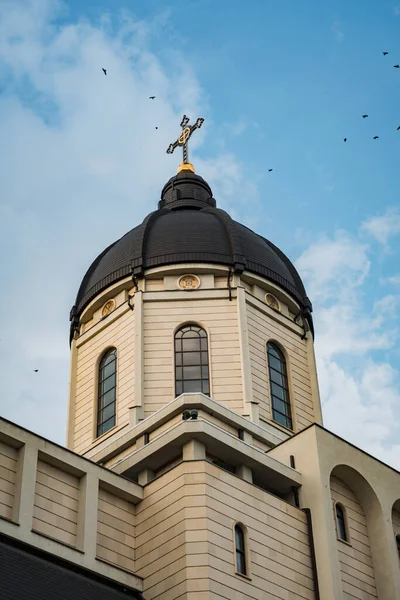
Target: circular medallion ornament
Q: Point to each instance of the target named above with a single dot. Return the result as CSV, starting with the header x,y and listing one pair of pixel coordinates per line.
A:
x,y
189,282
108,308
272,301
185,135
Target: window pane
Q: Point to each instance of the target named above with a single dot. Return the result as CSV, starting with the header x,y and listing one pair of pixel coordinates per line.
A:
x,y
203,344
206,387
273,351
192,386
274,363
190,333
279,392
107,384
178,373
178,359
341,525
280,406
277,377
204,372
110,357
191,358
107,370
107,398
178,388
341,529
107,413
204,358
281,419
178,345
240,563
191,345
106,426
239,539
191,373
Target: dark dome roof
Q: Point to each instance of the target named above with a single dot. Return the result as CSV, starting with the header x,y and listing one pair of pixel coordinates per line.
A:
x,y
187,227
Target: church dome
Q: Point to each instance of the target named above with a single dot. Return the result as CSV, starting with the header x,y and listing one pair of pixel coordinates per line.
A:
x,y
188,227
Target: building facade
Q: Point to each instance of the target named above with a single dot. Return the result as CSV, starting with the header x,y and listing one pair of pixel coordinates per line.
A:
x,y
197,465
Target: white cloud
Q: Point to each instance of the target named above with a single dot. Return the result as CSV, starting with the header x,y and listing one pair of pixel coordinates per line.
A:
x,y
394,280
359,388
383,227
329,265
77,171
361,406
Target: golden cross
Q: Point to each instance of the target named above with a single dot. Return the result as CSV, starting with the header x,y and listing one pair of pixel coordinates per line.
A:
x,y
183,139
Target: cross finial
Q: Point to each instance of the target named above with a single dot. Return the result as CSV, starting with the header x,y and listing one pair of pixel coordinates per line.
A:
x,y
183,139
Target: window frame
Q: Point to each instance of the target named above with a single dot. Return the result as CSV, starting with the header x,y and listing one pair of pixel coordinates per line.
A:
x,y
342,508
397,541
205,382
243,553
99,394
284,373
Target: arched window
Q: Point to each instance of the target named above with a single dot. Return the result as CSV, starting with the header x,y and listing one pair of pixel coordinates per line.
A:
x,y
278,383
341,523
240,550
107,392
191,360
398,544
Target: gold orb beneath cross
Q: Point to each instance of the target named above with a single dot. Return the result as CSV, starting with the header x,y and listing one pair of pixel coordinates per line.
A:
x,y
186,167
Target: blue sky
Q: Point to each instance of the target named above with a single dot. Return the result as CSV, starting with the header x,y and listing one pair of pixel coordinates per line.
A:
x,y
280,85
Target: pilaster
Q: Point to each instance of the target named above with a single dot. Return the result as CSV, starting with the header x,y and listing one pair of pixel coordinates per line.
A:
x,y
250,406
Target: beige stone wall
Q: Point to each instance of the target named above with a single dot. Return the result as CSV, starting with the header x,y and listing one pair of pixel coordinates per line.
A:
x,y
116,530
117,331
8,470
219,317
170,524
154,285
261,329
184,538
68,506
55,512
278,541
356,567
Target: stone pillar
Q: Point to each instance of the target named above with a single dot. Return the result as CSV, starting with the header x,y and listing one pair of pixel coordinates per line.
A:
x,y
137,408
194,450
250,407
87,516
245,473
145,476
24,498
72,396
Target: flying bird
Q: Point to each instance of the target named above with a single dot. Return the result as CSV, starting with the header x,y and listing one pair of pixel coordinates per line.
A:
x,y
152,97
104,71
36,370
398,129
396,66
376,137
269,170
384,53
364,116
345,139
156,127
